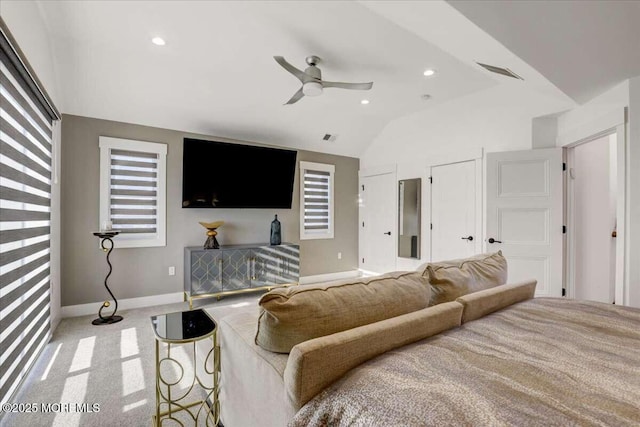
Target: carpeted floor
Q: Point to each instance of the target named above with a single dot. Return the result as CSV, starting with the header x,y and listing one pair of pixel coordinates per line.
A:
x,y
112,366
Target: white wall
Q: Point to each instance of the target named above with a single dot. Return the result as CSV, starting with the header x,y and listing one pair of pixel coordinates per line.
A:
x,y
25,23
496,119
27,26
604,111
633,192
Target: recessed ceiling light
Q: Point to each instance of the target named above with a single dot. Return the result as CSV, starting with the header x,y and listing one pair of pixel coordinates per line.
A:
x,y
158,41
364,102
429,72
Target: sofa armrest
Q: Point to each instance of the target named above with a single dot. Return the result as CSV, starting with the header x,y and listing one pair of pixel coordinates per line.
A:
x,y
315,364
481,303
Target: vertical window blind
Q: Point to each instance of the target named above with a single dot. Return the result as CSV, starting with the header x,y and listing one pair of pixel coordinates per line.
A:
x,y
316,200
134,191
25,206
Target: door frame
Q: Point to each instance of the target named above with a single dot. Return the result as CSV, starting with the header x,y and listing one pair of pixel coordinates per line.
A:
x,y
621,293
478,159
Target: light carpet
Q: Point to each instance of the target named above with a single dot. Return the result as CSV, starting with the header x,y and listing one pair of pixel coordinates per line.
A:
x,y
112,366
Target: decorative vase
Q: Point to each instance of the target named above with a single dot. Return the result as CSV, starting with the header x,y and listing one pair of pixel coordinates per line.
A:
x,y
276,234
211,242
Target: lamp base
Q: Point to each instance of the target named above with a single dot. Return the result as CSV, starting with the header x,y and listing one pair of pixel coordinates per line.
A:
x,y
107,320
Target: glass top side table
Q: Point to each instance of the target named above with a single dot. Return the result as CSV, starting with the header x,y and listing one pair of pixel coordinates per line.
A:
x,y
180,328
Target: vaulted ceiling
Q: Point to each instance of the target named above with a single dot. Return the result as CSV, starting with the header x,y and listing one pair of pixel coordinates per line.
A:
x,y
583,47
216,74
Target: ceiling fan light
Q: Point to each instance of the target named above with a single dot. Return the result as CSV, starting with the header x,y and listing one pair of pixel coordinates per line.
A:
x,y
312,89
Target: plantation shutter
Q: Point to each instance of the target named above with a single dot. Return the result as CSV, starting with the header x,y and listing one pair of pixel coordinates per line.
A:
x,y
25,207
316,200
134,191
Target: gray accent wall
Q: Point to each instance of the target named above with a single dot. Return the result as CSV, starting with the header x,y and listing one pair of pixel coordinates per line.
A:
x,y
139,272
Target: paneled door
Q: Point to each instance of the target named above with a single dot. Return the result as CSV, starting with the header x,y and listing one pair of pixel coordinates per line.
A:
x,y
378,223
455,208
524,215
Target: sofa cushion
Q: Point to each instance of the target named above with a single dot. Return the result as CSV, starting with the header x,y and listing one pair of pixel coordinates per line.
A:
x,y
292,315
452,279
481,303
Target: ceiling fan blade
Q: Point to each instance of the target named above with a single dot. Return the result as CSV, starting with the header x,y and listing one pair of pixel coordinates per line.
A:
x,y
301,75
296,97
354,86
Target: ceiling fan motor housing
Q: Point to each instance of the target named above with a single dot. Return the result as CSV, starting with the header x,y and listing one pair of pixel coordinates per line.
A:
x,y
312,86
314,72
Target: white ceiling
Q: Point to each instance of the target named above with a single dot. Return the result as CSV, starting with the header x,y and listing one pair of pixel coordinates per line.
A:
x,y
583,47
217,76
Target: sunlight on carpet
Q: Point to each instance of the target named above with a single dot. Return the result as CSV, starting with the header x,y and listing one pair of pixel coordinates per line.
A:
x,y
53,359
132,376
128,343
83,355
75,389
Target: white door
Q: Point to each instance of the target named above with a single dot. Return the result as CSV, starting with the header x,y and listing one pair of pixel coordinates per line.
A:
x,y
454,211
524,215
592,167
377,217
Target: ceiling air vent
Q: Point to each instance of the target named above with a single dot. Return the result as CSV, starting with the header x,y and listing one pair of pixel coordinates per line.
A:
x,y
498,70
329,137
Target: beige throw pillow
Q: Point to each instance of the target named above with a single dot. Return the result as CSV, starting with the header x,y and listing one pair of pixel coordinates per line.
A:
x,y
452,279
289,316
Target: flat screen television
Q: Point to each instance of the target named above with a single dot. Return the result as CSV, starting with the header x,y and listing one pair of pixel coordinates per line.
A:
x,y
226,175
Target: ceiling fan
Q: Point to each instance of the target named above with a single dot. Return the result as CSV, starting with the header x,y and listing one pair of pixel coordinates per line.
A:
x,y
311,78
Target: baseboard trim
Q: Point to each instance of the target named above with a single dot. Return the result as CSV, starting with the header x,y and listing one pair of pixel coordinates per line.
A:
x,y
123,304
367,273
318,278
129,303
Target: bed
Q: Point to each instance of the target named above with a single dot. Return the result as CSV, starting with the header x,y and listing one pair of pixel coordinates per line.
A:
x,y
543,362
489,358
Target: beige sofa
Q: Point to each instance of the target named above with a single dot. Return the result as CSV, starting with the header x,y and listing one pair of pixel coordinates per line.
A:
x,y
277,356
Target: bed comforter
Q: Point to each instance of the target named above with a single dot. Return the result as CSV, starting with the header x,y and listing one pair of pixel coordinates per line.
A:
x,y
542,362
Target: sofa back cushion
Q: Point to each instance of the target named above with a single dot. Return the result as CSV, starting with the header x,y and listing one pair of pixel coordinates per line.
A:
x,y
289,316
452,279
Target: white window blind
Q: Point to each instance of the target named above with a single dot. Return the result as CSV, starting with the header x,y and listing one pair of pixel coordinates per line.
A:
x,y
316,200
133,191
25,209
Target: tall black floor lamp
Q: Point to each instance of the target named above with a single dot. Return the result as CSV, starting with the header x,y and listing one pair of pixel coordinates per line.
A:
x,y
106,236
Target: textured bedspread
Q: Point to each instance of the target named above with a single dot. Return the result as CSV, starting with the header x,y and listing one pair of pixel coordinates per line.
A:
x,y
543,362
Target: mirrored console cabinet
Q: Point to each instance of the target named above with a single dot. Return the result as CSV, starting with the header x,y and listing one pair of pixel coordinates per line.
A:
x,y
239,268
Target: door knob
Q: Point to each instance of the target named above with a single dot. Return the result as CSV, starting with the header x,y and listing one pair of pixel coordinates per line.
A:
x,y
388,233
492,240
470,238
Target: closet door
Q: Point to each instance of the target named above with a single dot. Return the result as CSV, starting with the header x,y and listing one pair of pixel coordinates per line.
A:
x,y
454,211
378,205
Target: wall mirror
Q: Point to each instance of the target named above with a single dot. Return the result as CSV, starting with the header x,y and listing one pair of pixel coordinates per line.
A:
x,y
409,191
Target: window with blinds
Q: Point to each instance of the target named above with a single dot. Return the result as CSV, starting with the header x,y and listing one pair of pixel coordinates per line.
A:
x,y
25,209
133,191
316,201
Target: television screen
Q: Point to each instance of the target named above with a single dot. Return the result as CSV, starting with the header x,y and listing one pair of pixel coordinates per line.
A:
x,y
225,175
